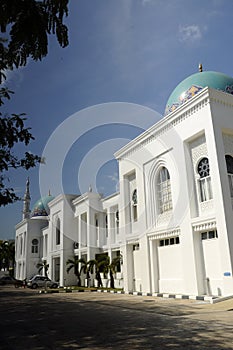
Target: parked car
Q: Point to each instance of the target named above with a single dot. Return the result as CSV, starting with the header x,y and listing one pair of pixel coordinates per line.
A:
x,y
41,281
10,280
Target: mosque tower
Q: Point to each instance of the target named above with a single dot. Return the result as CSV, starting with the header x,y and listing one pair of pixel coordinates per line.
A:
x,y
26,201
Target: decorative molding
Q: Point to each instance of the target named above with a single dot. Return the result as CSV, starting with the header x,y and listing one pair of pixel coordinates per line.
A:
x,y
198,149
221,101
165,234
204,226
206,207
165,124
132,241
85,196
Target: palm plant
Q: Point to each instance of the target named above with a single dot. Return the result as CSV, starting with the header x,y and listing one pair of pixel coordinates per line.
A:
x,y
111,269
96,265
85,268
74,264
43,266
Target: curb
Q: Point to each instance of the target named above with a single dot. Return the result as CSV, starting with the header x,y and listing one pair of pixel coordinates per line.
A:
x,y
219,299
210,299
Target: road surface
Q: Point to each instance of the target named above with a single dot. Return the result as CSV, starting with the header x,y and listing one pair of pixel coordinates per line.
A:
x,y
94,321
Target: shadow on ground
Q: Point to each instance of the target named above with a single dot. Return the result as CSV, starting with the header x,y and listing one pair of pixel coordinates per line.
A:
x,y
92,321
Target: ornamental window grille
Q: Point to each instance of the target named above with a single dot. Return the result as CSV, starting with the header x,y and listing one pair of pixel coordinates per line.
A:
x,y
164,191
229,164
205,187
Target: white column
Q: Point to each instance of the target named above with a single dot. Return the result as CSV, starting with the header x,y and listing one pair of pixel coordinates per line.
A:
x,y
128,269
154,266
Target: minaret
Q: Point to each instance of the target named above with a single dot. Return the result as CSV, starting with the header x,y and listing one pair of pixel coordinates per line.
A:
x,y
26,201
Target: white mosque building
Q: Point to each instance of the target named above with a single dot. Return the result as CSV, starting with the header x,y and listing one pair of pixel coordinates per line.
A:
x,y
172,219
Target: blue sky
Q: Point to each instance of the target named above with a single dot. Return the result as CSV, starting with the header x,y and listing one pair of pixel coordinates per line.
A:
x,y
128,51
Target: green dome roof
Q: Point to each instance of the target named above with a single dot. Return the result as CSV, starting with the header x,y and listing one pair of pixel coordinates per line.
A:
x,y
41,208
196,82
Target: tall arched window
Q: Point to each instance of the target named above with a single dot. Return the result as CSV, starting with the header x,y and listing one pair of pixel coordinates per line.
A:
x,y
106,224
134,205
229,163
164,190
117,221
35,245
97,231
204,180
58,232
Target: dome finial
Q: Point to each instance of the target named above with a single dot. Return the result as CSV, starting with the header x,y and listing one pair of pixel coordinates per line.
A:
x,y
200,67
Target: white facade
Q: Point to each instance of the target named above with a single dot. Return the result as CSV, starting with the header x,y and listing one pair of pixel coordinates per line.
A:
x,y
172,219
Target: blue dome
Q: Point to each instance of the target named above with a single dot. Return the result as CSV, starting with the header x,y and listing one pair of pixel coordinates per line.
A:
x,y
196,82
41,208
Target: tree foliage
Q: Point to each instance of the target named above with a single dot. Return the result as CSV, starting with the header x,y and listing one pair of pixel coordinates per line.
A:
x,y
94,267
84,267
30,22
13,131
74,264
111,268
43,267
97,266
25,26
7,256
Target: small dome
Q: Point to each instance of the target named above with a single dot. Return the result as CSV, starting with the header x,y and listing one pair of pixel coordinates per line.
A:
x,y
195,83
41,208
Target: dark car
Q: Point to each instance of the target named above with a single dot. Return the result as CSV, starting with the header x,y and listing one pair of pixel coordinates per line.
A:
x,y
5,280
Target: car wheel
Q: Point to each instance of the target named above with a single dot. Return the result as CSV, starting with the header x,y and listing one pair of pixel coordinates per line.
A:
x,y
54,285
34,286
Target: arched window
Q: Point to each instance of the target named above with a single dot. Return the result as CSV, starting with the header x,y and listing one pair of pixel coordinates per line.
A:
x,y
97,227
229,163
21,245
204,180
58,232
117,221
35,245
134,205
164,191
106,224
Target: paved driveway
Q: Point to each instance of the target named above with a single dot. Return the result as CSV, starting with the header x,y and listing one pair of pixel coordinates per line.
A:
x,y
33,321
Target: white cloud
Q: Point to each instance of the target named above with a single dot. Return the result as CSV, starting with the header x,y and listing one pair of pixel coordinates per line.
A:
x,y
115,179
13,77
145,2
190,33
